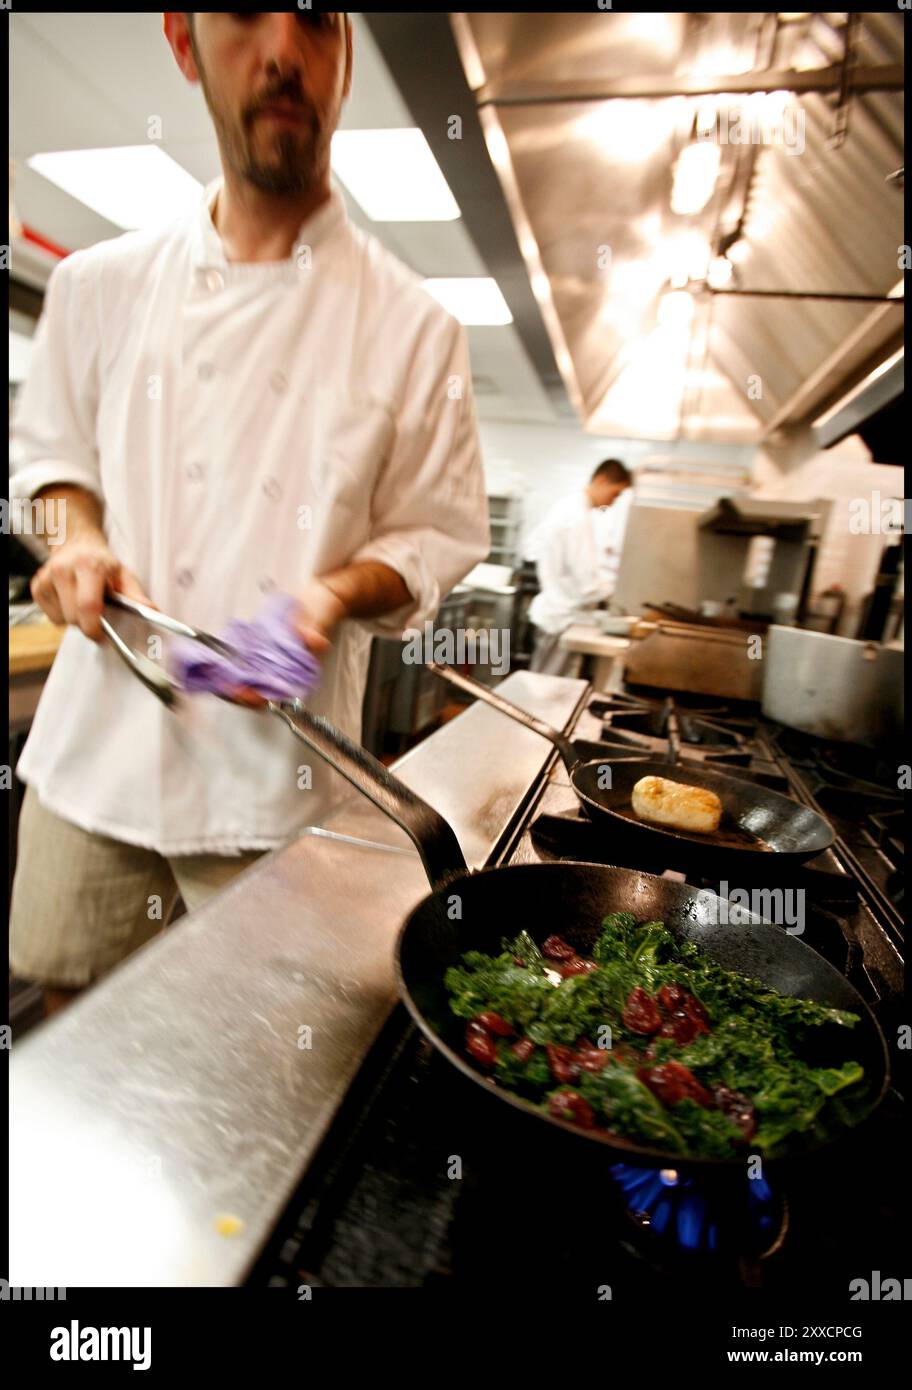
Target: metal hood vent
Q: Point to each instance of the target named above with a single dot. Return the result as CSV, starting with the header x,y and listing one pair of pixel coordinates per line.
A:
x,y
781,274
873,410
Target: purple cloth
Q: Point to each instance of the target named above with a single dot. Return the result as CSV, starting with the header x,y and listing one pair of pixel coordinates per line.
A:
x,y
272,658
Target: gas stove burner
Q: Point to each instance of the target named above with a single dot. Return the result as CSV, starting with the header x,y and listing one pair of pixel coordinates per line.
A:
x,y
654,723
853,767
652,746
701,1218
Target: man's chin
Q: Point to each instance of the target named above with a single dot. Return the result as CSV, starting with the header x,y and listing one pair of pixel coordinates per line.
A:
x,y
288,171
281,181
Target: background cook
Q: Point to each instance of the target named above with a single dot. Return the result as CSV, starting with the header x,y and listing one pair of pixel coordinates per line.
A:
x,y
577,551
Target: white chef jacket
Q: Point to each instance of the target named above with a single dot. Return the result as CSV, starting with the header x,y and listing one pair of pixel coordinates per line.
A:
x,y
210,404
577,550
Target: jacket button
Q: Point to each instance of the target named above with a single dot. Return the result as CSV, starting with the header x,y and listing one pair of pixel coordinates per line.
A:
x,y
266,585
279,382
272,488
185,578
195,471
215,280
205,371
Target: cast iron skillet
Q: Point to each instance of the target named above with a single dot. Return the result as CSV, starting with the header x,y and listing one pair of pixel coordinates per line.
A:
x,y
571,899
756,821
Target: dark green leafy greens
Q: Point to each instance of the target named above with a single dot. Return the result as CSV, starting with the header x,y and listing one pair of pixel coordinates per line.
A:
x,y
756,1044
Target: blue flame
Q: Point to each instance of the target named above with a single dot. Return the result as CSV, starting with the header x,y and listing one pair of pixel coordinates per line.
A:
x,y
679,1209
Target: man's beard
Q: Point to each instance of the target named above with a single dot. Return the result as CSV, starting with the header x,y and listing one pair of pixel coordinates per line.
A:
x,y
292,166
296,160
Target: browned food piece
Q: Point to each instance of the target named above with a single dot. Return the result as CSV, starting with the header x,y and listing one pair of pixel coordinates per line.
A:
x,y
480,1044
641,1014
556,948
494,1023
671,1082
570,1105
676,804
562,1063
576,965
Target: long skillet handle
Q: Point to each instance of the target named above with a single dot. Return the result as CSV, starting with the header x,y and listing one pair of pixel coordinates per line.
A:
x,y
433,838
481,692
672,733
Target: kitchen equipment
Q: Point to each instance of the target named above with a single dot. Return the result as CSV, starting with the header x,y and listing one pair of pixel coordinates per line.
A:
x,y
702,659
431,939
577,897
755,820
346,1223
712,615
823,612
878,605
833,687
790,532
614,625
785,609
152,676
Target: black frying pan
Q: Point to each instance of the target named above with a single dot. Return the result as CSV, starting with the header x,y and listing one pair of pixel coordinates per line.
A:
x,y
572,899
756,821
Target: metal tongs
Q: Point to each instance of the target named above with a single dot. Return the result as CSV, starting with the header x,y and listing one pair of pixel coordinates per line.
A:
x,y
294,713
312,729
149,672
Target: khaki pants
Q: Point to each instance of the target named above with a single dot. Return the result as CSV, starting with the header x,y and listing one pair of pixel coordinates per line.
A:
x,y
83,902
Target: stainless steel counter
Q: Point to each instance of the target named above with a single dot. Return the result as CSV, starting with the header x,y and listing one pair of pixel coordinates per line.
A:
x,y
160,1125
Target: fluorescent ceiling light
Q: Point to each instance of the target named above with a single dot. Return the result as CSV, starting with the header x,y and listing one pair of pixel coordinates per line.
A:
x,y
767,111
393,175
472,300
133,186
696,171
722,60
720,272
687,257
627,132
634,280
675,310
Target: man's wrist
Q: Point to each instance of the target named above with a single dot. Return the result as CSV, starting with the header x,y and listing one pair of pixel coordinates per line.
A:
x,y
340,611
78,513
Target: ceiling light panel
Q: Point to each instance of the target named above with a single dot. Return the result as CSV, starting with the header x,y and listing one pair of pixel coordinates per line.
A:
x,y
393,175
133,186
474,300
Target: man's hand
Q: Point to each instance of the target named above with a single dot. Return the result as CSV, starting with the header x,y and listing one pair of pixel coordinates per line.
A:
x,y
359,590
71,586
320,611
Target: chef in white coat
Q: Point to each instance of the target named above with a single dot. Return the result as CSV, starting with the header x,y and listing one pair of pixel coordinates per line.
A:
x,y
577,552
257,397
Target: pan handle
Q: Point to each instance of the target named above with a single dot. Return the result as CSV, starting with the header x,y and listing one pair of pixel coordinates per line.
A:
x,y
673,733
490,697
433,838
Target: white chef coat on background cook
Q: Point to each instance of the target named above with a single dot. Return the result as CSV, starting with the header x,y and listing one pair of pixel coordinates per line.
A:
x,y
577,551
210,405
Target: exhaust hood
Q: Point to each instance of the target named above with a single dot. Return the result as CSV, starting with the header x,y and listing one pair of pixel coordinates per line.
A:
x,y
873,410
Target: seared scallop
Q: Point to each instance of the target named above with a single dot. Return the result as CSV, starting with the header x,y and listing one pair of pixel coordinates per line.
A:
x,y
677,805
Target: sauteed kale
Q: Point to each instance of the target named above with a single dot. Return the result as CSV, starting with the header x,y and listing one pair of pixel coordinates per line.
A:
x,y
653,1041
